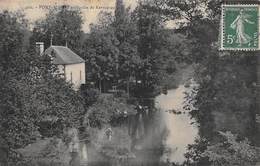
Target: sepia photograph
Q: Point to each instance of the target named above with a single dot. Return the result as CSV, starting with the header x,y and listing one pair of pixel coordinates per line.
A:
x,y
129,83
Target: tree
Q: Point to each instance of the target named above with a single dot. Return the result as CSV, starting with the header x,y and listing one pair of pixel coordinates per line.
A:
x,y
226,97
100,51
130,46
220,74
32,98
231,152
64,23
126,33
109,110
13,26
110,50
149,25
30,91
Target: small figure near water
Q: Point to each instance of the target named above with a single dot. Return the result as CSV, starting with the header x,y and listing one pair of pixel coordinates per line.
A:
x,y
109,133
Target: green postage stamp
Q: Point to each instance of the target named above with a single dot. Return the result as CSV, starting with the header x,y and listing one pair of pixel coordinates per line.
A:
x,y
240,27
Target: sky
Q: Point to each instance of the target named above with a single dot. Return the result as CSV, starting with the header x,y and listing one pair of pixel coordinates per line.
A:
x,y
37,9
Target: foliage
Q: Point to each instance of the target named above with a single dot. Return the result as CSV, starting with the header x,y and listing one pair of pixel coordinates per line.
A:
x,y
30,92
11,47
110,49
101,51
231,152
132,46
51,151
13,26
89,95
64,23
173,62
225,99
174,9
29,101
149,25
225,79
194,154
107,109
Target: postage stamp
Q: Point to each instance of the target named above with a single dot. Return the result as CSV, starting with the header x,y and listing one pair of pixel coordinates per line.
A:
x,y
240,27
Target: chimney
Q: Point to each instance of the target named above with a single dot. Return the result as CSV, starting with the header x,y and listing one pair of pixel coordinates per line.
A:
x,y
39,47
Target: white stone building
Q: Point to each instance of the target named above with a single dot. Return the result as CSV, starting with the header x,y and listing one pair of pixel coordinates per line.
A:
x,y
70,65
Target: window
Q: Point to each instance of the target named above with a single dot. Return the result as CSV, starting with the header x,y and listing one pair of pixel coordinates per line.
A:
x,y
80,75
71,77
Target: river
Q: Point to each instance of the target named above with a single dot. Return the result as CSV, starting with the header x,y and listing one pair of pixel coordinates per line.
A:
x,y
162,136
180,130
157,136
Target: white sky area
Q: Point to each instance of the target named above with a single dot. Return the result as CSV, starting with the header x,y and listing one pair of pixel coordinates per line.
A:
x,y
37,9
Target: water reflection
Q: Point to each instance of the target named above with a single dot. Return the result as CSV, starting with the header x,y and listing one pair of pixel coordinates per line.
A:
x,y
180,131
153,137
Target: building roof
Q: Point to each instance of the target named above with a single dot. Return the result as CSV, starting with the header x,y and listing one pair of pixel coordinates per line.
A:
x,y
63,55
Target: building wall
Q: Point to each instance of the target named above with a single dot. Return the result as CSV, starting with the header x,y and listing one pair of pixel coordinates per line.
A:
x,y
74,73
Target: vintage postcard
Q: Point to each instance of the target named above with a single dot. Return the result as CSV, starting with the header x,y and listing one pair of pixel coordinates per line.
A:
x,y
129,83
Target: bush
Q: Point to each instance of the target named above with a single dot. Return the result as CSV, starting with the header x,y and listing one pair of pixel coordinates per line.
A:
x,y
231,152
